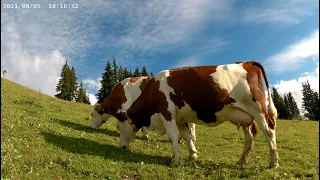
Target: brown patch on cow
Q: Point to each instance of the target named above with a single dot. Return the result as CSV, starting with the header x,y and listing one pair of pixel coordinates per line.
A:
x,y
144,83
134,79
239,62
196,87
253,129
256,78
176,100
114,100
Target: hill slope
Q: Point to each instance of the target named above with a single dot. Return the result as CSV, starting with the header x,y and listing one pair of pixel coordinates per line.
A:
x,y
46,138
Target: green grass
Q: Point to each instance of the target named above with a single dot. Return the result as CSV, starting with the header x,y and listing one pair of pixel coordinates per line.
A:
x,y
47,138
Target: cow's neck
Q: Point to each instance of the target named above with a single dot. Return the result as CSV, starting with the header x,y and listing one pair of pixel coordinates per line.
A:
x,y
140,118
141,110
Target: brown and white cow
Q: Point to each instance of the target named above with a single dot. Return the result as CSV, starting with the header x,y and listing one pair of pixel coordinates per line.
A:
x,y
207,95
120,99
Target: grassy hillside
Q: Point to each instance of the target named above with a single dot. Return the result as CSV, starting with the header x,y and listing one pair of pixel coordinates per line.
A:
x,y
47,138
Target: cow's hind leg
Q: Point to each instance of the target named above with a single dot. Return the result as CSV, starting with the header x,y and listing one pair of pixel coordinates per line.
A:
x,y
249,134
192,130
270,135
187,136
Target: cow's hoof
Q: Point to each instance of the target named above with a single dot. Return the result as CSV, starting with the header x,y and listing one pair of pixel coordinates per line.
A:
x,y
194,156
241,163
145,137
274,165
175,163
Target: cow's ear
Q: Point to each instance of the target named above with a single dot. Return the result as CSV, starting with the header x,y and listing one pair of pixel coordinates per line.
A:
x,y
122,116
97,107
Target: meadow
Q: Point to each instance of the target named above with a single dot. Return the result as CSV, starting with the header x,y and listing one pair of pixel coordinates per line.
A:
x,y
47,138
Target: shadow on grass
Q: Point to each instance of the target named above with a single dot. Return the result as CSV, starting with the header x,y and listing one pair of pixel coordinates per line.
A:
x,y
87,129
84,146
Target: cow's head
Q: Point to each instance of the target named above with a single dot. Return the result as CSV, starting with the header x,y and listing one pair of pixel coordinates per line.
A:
x,y
126,128
98,116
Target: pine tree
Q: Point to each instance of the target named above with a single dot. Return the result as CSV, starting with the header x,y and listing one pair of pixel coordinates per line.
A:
x,y
73,84
136,72
81,94
279,103
126,73
87,100
63,87
106,83
294,110
4,73
310,102
287,111
130,73
115,72
120,74
144,71
151,74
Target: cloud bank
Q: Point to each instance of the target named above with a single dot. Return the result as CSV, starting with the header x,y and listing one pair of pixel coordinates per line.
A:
x,y
295,85
295,56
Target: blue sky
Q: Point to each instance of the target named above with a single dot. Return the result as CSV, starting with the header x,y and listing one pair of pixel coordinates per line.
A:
x,y
281,34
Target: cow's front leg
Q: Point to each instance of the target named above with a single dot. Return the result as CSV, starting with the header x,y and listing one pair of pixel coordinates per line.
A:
x,y
172,132
184,131
145,132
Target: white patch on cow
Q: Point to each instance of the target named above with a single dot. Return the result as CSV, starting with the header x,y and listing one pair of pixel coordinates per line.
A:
x,y
233,78
235,115
132,91
166,89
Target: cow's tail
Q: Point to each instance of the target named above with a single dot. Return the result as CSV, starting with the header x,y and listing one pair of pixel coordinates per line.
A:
x,y
272,111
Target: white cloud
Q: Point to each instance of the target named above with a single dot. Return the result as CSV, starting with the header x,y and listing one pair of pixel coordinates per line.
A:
x,y
213,45
295,85
294,56
283,12
191,61
35,43
92,98
39,72
92,84
160,25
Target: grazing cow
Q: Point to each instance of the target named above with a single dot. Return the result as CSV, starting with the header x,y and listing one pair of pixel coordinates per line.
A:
x,y
207,95
120,99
